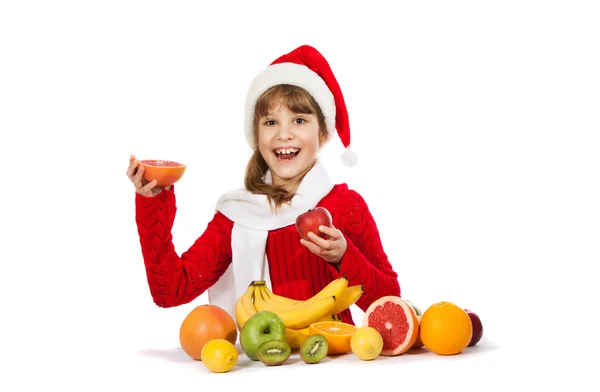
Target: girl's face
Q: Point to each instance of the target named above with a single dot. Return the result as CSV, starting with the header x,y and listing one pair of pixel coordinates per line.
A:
x,y
288,142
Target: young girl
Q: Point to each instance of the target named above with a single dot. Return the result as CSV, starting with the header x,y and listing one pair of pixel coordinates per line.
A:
x,y
293,108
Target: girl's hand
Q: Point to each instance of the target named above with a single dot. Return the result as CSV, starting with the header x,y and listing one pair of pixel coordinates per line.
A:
x,y
135,172
330,249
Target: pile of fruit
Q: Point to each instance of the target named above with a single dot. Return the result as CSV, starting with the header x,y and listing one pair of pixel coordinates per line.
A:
x,y
263,316
271,327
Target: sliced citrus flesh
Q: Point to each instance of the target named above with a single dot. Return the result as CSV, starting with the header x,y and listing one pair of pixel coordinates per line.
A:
x,y
164,172
337,333
396,321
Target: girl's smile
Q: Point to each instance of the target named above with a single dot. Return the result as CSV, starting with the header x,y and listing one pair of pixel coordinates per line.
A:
x,y
286,154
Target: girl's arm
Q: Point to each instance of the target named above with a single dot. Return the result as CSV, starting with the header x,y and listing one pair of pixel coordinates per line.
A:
x,y
365,262
175,280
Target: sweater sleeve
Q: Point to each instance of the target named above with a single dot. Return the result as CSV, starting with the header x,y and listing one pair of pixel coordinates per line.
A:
x,y
365,262
175,280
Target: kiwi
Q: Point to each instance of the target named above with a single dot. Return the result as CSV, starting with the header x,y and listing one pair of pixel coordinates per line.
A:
x,y
314,349
274,352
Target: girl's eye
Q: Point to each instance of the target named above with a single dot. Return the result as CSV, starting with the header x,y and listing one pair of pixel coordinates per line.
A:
x,y
270,122
300,121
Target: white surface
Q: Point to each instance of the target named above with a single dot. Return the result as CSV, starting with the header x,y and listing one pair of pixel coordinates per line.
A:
x,y
481,118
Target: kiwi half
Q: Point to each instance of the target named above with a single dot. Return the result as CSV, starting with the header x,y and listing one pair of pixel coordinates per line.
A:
x,y
274,352
314,349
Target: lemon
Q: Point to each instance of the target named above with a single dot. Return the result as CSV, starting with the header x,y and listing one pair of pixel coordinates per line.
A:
x,y
366,343
219,355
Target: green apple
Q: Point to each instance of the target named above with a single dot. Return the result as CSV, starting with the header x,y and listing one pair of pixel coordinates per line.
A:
x,y
415,307
261,327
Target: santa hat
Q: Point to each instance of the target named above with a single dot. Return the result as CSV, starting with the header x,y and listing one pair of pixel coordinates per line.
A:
x,y
307,68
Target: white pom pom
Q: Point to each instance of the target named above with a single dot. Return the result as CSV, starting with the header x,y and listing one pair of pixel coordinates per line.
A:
x,y
349,158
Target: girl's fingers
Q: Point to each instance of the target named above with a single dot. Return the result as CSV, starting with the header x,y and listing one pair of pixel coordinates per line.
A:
x,y
138,176
323,243
331,232
311,246
148,187
327,255
131,169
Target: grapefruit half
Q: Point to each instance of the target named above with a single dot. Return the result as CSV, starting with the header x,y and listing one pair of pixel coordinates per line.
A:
x,y
164,172
396,322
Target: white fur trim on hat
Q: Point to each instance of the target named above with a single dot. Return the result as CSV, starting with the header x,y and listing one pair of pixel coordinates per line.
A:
x,y
294,74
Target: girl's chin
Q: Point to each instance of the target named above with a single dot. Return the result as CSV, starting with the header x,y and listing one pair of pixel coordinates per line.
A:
x,y
287,174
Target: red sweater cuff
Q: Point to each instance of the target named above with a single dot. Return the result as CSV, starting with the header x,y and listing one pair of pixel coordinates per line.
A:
x,y
350,265
164,195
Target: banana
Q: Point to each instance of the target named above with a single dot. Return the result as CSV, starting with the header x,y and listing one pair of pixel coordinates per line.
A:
x,y
263,302
330,317
305,330
295,338
244,307
347,298
296,315
308,313
334,288
272,297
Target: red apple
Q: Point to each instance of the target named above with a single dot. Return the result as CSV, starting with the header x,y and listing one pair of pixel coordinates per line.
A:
x,y
477,327
311,220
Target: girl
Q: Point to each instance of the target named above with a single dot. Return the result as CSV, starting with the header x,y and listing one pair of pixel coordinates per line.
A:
x,y
293,107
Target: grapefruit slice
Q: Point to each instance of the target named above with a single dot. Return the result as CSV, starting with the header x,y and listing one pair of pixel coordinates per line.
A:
x,y
164,172
396,321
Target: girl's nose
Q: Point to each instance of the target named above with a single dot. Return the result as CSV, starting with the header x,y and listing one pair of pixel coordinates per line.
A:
x,y
285,132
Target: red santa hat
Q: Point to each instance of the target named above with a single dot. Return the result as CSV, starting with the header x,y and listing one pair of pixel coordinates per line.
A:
x,y
307,68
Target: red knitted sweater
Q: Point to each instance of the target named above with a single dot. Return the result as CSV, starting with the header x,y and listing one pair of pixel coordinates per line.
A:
x,y
295,272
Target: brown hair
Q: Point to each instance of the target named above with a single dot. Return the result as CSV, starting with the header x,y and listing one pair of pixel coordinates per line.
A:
x,y
297,100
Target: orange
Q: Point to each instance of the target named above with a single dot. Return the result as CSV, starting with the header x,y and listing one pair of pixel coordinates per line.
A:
x,y
445,328
203,324
337,333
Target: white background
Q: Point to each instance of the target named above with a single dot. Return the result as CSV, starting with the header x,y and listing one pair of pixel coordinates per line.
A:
x,y
476,124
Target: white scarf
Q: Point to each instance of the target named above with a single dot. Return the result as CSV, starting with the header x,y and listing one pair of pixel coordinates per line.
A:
x,y
253,218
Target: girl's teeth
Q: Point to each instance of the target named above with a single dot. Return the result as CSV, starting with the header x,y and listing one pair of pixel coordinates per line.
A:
x,y
286,151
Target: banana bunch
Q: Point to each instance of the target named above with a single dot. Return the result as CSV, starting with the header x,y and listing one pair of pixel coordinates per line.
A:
x,y
297,315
